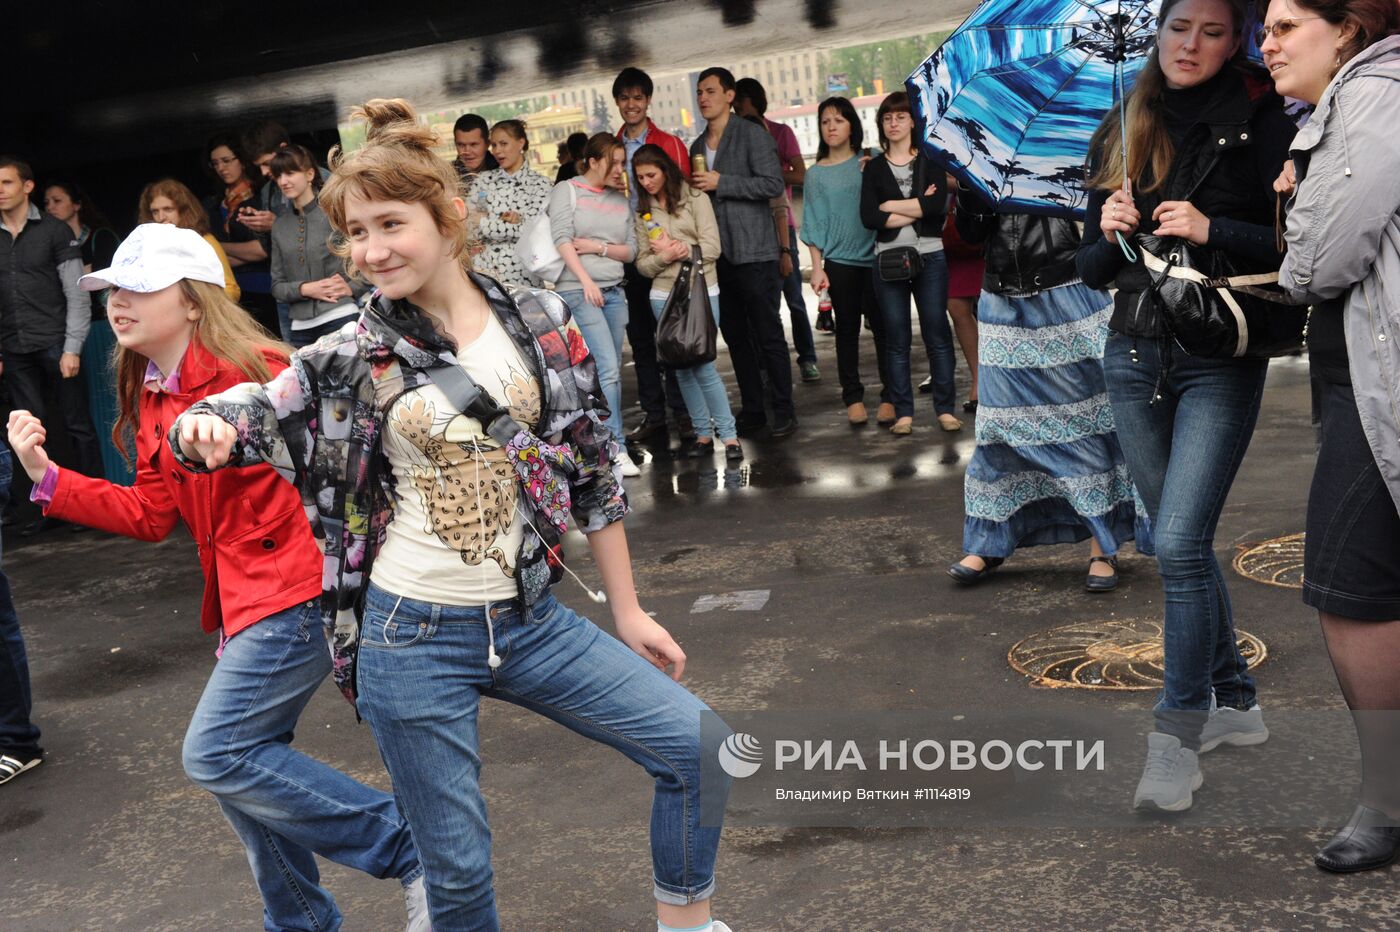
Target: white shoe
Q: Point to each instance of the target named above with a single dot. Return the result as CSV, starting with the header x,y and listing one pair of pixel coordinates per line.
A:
x,y
721,927
1169,777
415,900
1241,728
629,468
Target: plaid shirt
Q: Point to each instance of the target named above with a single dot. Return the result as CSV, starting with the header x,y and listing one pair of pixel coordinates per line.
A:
x,y
320,422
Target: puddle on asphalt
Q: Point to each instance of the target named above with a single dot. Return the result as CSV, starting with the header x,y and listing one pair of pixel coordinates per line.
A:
x,y
777,468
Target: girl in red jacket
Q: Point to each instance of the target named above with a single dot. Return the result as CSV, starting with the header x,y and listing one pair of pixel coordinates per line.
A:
x,y
179,339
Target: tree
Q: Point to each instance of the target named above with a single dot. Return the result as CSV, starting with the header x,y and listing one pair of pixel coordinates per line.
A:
x,y
891,61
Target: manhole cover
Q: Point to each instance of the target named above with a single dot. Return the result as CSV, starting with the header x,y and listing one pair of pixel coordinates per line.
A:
x,y
1105,655
1277,562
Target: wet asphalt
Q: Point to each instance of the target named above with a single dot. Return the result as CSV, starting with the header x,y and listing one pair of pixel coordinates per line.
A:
x,y
849,531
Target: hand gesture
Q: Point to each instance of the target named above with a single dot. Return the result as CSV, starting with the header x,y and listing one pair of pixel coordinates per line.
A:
x,y
259,221
69,364
678,250
705,181
1287,181
27,440
819,281
1180,218
510,216
337,288
207,438
784,264
1119,215
655,645
592,293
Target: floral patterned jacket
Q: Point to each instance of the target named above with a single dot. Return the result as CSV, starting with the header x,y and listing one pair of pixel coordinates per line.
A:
x,y
319,423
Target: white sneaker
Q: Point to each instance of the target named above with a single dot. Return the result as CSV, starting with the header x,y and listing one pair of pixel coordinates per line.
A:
x,y
1169,777
721,927
1233,726
629,468
415,900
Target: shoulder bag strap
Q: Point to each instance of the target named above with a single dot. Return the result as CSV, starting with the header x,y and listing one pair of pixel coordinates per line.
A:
x,y
471,399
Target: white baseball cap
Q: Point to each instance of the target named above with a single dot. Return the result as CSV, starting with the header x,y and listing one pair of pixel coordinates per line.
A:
x,y
156,256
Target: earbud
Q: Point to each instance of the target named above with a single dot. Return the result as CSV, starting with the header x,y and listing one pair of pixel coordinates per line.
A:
x,y
597,595
493,660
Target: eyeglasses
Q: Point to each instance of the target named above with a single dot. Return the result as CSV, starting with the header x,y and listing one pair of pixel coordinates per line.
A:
x,y
1280,29
216,164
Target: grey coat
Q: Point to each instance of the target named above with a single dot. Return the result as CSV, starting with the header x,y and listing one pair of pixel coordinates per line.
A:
x,y
750,175
301,253
1344,233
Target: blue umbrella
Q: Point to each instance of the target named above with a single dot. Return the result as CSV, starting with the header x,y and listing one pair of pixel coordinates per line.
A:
x,y
1009,101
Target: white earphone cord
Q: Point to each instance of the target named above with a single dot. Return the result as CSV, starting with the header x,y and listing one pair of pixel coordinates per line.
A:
x,y
493,660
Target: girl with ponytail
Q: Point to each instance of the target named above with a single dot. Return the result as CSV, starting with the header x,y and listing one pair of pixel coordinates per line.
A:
x,y
440,443
180,338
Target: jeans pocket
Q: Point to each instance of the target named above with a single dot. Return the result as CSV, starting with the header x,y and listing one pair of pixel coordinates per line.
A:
x,y
385,632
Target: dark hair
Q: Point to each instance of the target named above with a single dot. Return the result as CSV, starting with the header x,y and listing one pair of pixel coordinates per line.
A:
x,y
1150,149
652,154
599,148
576,143
629,78
847,112
1374,20
471,121
262,138
726,77
296,158
749,89
516,128
25,172
230,142
897,102
88,214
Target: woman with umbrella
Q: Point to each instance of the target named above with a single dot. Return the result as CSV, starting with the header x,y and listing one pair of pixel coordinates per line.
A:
x,y
1202,140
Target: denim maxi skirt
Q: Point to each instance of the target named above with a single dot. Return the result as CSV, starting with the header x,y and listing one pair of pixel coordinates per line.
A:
x,y
1048,468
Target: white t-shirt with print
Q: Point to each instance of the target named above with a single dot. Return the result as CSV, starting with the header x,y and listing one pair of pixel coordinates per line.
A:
x,y
457,528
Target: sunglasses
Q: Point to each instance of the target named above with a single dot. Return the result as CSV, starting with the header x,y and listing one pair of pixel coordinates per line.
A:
x,y
1280,29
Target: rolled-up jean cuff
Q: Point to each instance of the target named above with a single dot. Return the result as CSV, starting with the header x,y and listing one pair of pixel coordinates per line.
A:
x,y
411,876
682,896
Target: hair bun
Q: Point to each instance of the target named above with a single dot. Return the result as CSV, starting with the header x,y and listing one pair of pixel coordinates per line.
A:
x,y
393,120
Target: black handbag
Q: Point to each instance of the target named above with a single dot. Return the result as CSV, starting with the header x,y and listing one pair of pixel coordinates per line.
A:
x,y
686,335
1213,311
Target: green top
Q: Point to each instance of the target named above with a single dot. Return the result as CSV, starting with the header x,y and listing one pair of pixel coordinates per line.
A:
x,y
831,213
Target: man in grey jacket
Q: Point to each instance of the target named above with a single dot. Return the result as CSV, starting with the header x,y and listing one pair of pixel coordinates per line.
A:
x,y
742,175
44,315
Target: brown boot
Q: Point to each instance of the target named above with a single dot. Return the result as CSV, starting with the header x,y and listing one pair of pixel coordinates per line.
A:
x,y
884,415
856,414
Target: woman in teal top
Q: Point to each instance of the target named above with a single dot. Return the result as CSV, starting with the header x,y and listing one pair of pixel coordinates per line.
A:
x,y
842,250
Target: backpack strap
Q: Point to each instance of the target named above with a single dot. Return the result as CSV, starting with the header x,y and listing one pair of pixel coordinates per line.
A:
x,y
469,398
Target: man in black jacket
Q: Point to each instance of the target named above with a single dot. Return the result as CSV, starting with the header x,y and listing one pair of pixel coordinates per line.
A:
x,y
44,315
742,175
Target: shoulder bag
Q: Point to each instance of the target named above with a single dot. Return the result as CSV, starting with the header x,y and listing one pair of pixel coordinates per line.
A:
x,y
686,335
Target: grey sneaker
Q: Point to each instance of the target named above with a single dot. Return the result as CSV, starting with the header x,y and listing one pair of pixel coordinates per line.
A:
x,y
415,900
1232,726
1169,777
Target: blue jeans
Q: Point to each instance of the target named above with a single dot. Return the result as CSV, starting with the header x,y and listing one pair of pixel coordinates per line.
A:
x,y
18,736
422,672
284,805
602,329
930,293
284,322
1183,453
703,389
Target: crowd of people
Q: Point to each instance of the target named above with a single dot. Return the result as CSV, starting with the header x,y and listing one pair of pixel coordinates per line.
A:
x,y
419,411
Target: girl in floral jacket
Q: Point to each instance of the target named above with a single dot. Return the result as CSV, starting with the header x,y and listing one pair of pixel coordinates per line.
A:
x,y
441,528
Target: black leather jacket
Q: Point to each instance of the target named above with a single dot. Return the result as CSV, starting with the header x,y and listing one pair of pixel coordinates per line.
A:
x,y
1024,253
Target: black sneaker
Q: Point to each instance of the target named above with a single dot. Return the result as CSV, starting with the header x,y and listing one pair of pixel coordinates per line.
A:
x,y
784,427
12,765
748,424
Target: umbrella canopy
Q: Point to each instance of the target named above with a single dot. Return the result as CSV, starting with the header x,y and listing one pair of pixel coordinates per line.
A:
x,y
1009,101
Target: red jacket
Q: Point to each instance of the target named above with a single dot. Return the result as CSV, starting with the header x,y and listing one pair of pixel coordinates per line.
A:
x,y
669,144
255,545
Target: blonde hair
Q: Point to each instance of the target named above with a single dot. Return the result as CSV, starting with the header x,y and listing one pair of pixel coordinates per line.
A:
x,y
1150,149
396,163
224,329
192,216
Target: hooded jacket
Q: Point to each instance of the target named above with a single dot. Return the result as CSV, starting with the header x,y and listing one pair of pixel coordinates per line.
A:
x,y
1343,234
320,424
